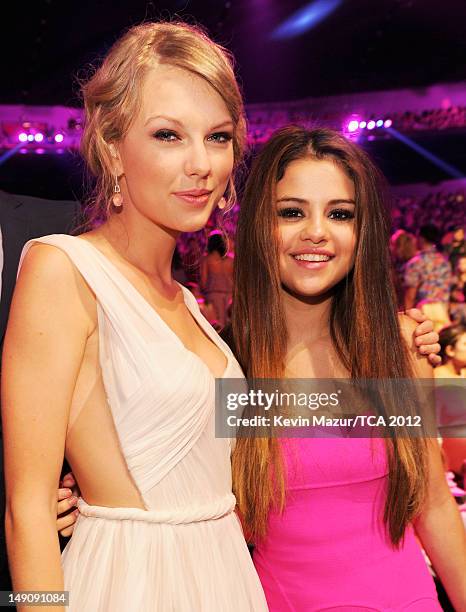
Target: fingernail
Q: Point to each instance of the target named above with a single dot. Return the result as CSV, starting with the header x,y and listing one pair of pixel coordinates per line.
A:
x,y
73,500
76,512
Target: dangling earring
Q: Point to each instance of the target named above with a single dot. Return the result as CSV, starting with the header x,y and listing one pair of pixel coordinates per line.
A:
x,y
117,199
222,203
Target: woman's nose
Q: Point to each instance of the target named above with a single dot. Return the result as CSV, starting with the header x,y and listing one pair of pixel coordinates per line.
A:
x,y
315,229
198,161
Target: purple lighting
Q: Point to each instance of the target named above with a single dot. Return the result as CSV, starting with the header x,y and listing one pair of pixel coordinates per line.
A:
x,y
59,137
31,137
388,123
39,137
362,124
371,125
379,123
23,137
353,125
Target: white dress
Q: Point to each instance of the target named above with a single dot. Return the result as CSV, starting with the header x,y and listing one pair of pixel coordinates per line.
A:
x,y
186,552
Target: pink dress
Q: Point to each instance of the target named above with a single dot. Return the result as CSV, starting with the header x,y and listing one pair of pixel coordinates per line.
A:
x,y
329,550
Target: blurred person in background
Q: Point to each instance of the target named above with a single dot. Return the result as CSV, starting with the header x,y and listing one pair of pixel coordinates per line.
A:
x,y
217,276
402,248
458,292
427,279
450,380
457,247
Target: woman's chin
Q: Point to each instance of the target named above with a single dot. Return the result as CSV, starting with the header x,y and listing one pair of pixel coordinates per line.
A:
x,y
306,292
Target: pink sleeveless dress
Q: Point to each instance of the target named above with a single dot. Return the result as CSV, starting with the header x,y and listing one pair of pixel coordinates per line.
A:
x,y
329,550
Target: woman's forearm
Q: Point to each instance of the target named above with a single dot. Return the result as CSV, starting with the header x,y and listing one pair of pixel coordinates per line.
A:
x,y
34,552
443,537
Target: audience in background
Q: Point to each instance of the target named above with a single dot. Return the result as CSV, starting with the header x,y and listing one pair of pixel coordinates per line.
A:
x,y
458,292
427,279
444,209
217,276
456,248
450,397
402,248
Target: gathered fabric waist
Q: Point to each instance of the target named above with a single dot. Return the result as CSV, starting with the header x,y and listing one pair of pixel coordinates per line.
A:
x,y
176,516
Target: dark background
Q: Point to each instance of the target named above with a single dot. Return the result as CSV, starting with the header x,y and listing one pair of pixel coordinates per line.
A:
x,y
363,45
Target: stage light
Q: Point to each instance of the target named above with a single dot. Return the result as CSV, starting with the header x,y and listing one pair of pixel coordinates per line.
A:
x,y
39,137
23,137
304,19
440,163
387,123
353,125
370,125
31,137
362,124
59,137
379,123
40,151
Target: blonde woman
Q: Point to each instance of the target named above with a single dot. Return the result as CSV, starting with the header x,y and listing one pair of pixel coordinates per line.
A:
x,y
109,362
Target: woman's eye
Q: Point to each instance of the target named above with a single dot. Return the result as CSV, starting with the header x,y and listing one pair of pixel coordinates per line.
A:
x,y
290,213
221,137
341,214
166,135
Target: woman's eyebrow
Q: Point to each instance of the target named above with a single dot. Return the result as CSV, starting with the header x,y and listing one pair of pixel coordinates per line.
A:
x,y
172,119
224,124
303,201
291,199
342,201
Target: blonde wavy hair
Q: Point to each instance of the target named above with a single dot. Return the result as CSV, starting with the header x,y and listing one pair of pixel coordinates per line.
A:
x,y
112,96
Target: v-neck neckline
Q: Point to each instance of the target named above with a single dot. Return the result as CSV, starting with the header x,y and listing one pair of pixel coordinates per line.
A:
x,y
204,325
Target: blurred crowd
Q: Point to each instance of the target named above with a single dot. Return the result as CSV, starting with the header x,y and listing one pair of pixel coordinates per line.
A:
x,y
444,209
429,272
262,123
432,119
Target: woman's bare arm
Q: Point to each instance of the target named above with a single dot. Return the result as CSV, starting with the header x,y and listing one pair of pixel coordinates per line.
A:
x,y
441,531
50,321
439,525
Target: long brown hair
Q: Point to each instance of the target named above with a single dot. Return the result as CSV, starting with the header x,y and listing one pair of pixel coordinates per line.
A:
x,y
259,326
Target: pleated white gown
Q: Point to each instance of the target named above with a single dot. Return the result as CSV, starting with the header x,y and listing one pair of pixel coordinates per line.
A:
x,y
186,552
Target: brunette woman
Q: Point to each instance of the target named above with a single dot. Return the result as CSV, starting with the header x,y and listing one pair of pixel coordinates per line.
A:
x,y
333,520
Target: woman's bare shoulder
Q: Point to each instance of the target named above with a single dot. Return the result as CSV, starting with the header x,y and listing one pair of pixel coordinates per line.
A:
x,y
48,276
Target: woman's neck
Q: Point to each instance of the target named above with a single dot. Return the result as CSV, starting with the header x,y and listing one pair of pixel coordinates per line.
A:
x,y
454,368
307,319
144,244
310,351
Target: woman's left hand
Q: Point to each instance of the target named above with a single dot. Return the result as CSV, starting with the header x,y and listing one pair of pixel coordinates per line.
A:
x,y
425,338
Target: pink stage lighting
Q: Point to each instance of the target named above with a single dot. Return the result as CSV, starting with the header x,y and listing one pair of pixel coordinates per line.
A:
x,y
362,124
379,123
370,125
23,137
59,137
31,137
353,125
388,123
39,137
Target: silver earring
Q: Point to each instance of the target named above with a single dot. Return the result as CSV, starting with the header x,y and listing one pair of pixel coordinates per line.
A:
x,y
117,199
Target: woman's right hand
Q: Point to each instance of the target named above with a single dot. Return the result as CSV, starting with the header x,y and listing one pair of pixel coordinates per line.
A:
x,y
67,499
